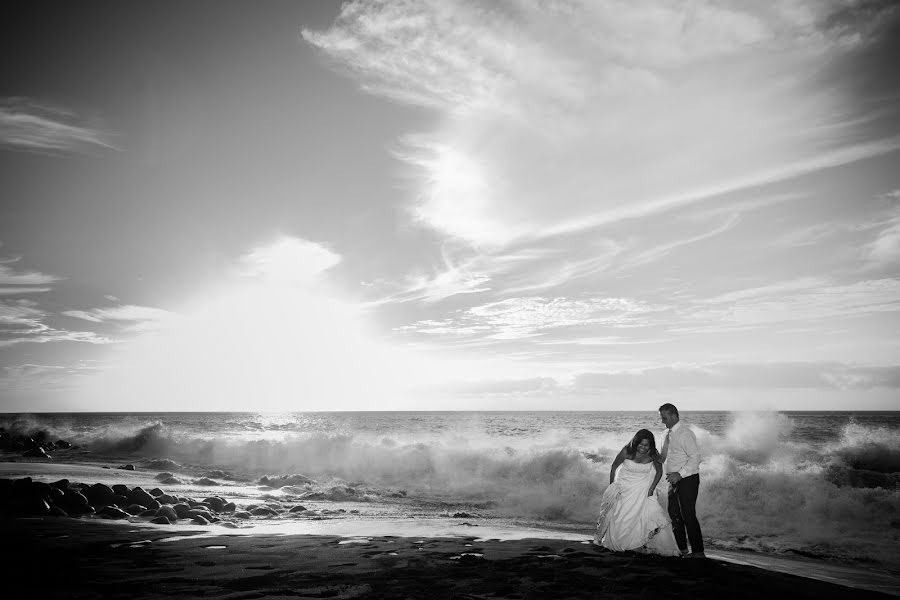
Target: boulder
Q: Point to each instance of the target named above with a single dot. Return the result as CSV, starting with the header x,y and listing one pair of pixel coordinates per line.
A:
x,y
215,502
229,507
196,512
166,499
99,494
242,514
182,509
148,513
120,500
199,520
112,512
140,496
156,492
135,509
127,467
161,520
121,489
74,502
298,508
62,484
168,512
206,481
263,511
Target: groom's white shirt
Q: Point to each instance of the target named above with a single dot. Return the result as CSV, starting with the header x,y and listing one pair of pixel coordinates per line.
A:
x,y
684,452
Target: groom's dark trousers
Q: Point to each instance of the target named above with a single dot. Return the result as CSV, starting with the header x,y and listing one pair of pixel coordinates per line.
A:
x,y
683,512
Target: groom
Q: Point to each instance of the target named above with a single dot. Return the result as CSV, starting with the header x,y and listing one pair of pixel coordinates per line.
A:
x,y
682,467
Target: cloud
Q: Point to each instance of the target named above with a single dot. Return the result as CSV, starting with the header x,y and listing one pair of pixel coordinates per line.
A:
x,y
11,277
21,321
806,299
141,317
885,249
556,117
288,260
816,375
32,126
29,376
517,318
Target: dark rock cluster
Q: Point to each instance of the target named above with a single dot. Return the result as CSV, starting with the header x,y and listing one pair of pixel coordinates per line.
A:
x,y
36,445
26,497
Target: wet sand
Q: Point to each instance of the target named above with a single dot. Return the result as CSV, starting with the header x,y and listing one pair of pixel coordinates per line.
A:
x,y
51,557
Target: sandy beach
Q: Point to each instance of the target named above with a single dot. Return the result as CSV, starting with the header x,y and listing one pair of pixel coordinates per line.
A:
x,y
69,558
91,557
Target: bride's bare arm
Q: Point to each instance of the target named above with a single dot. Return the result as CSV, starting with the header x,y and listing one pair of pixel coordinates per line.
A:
x,y
618,461
658,466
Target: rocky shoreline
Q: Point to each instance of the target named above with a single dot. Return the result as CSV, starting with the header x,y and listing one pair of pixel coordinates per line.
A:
x,y
25,497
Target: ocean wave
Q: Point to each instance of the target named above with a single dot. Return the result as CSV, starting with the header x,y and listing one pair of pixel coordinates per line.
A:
x,y
868,448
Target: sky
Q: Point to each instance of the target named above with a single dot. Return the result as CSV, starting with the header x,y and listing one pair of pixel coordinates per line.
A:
x,y
449,205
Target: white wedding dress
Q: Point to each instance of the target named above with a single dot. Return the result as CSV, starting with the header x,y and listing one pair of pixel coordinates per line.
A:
x,y
632,520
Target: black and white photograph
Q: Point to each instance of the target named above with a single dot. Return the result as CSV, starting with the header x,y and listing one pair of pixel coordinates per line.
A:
x,y
450,299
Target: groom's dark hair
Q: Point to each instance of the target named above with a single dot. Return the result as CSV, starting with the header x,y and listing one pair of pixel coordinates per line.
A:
x,y
669,408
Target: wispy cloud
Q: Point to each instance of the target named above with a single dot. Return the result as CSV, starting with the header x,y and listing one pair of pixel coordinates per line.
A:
x,y
28,125
884,250
11,277
562,117
518,318
803,300
138,318
816,375
22,321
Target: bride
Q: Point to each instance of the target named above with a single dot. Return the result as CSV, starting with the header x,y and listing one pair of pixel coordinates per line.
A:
x,y
631,517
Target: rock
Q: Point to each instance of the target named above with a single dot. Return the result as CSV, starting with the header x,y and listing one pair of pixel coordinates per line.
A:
x,y
205,481
171,481
150,512
263,511
140,496
462,515
121,501
62,484
168,512
298,508
74,502
216,503
30,505
56,511
164,475
229,507
228,524
112,512
196,512
161,520
242,514
121,489
182,509
166,499
199,520
156,492
99,494
135,509
63,444
127,467
56,495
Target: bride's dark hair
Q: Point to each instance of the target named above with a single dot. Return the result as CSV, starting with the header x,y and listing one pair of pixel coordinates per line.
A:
x,y
641,435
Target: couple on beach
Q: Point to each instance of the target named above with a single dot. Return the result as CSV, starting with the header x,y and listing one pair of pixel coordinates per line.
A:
x,y
631,516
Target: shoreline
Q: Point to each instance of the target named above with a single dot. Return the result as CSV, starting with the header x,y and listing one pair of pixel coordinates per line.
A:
x,y
95,558
443,536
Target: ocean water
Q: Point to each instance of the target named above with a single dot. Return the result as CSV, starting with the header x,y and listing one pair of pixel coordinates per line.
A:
x,y
817,484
